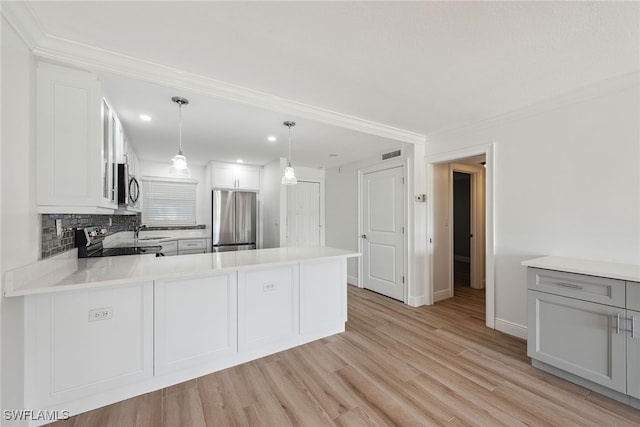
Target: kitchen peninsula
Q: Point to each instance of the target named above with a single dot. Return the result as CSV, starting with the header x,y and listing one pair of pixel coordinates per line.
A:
x,y
102,330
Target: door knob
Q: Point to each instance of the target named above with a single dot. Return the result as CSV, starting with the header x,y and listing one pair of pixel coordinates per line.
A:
x,y
364,236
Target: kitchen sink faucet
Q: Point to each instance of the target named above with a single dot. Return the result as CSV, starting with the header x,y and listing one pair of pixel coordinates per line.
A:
x,y
136,231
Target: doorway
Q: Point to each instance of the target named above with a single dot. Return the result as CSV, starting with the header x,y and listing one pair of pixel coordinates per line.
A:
x,y
459,231
382,226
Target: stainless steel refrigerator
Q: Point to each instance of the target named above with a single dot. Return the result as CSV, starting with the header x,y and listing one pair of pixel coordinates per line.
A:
x,y
233,220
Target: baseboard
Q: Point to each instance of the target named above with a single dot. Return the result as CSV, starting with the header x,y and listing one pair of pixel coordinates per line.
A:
x,y
511,328
462,258
352,280
612,394
417,301
440,295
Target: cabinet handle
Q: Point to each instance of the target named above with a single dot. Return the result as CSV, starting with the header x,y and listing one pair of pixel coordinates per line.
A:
x,y
618,323
633,326
568,285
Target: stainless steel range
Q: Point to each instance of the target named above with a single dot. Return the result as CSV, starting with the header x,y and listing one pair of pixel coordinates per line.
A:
x,y
89,241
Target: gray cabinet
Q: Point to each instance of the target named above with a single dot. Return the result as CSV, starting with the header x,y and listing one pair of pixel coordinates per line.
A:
x,y
633,354
633,296
580,286
588,327
580,337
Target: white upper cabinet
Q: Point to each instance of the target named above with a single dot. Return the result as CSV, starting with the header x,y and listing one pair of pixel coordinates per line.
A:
x,y
234,176
75,164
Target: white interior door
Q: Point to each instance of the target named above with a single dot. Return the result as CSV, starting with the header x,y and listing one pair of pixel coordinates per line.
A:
x,y
383,232
303,214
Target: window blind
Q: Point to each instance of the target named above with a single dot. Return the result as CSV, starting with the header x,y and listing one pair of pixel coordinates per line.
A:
x,y
168,202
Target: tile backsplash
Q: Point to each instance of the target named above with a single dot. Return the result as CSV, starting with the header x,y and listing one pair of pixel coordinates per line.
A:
x,y
52,244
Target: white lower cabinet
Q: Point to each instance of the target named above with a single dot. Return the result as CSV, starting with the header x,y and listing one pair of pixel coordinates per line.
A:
x,y
195,321
268,309
580,337
323,296
92,347
86,342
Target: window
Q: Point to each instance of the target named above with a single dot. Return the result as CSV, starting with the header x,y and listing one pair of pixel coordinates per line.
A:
x,y
168,202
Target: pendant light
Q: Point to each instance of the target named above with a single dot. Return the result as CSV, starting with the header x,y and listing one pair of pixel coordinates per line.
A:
x,y
289,177
179,162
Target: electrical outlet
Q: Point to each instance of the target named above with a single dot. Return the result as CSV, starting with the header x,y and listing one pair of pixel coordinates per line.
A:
x,y
100,314
269,287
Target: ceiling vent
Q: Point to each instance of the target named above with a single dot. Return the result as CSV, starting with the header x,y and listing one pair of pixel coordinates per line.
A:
x,y
391,154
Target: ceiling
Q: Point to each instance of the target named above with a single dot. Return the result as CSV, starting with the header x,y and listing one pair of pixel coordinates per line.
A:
x,y
413,66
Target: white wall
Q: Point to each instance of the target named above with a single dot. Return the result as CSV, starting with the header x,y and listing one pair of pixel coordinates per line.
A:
x,y
341,213
567,183
441,224
20,223
203,196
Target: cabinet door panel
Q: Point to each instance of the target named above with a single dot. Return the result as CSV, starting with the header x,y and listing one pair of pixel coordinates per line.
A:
x,y
68,138
633,354
579,337
267,306
223,176
323,294
248,178
195,321
89,341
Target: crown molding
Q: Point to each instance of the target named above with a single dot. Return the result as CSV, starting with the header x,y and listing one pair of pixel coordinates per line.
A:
x,y
96,59
22,19
576,96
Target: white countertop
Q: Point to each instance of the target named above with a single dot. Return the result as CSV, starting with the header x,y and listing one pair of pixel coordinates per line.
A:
x,y
67,272
630,272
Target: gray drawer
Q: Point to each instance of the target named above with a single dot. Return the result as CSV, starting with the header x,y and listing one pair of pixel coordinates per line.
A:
x,y
633,296
587,288
192,244
169,247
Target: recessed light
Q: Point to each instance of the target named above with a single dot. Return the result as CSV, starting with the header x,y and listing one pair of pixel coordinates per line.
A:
x,y
240,161
145,117
271,138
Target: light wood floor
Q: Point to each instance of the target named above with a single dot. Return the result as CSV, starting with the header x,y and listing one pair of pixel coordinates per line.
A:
x,y
394,365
